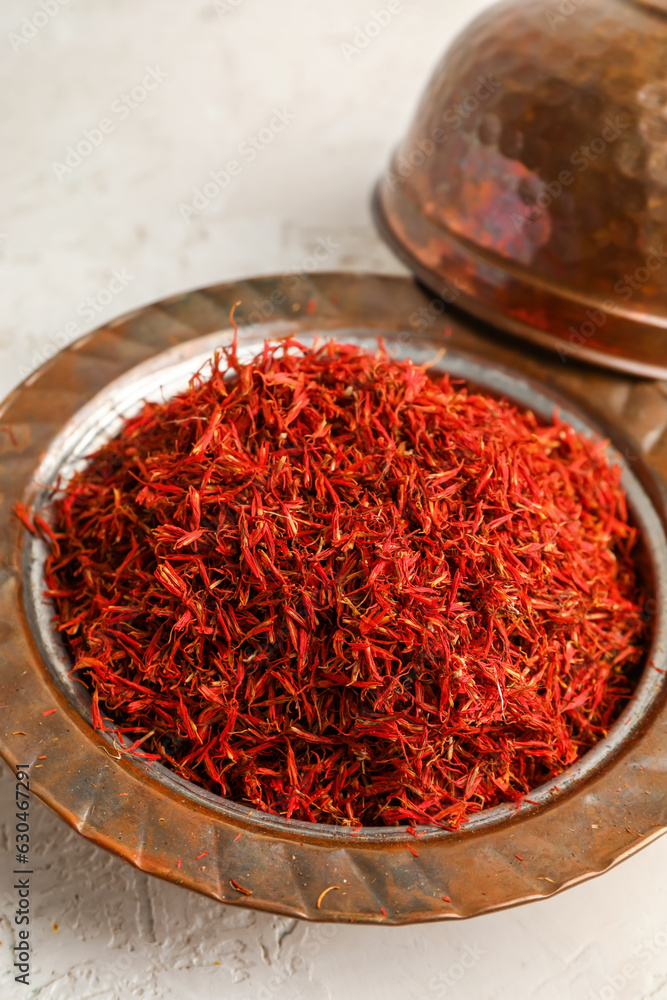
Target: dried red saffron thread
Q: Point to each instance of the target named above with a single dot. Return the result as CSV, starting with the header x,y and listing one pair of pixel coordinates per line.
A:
x,y
341,590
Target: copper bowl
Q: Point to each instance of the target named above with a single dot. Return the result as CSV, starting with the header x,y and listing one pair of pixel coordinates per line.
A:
x,y
603,808
531,187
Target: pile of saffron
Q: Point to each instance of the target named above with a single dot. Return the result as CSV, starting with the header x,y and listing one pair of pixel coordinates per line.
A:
x,y
342,588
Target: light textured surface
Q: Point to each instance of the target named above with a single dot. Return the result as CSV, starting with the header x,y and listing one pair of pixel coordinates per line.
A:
x,y
121,933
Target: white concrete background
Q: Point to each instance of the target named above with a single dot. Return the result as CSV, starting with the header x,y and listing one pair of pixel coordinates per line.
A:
x,y
121,934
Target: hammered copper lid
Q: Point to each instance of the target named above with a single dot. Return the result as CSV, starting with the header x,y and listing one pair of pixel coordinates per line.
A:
x,y
531,188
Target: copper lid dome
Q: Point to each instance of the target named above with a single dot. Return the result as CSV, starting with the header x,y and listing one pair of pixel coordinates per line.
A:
x,y
531,187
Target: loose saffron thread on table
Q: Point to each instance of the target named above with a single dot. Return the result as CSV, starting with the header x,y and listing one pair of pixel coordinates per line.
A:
x,y
337,587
